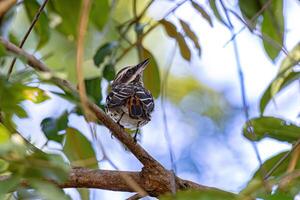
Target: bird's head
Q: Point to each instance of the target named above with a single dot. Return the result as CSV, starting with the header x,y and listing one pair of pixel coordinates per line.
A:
x,y
131,74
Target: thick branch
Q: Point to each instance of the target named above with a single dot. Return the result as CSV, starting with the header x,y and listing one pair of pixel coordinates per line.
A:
x,y
114,181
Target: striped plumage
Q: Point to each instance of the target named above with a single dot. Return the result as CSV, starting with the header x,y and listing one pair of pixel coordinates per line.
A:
x,y
129,103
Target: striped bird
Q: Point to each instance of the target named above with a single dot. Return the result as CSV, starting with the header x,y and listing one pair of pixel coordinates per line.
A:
x,y
129,103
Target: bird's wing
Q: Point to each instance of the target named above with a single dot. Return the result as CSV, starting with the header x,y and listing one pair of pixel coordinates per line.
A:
x,y
119,95
146,99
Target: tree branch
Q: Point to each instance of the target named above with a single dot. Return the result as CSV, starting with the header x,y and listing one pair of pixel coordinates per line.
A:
x,y
114,181
154,178
35,19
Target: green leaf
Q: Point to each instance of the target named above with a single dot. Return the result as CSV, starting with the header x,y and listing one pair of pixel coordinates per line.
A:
x,y
48,190
280,84
42,25
292,59
99,13
4,134
217,14
109,72
3,165
13,39
8,185
169,28
2,50
202,11
79,150
285,77
34,94
271,127
190,33
172,32
52,126
255,187
84,193
278,196
151,75
250,9
46,166
93,89
69,11
104,51
183,47
209,194
272,29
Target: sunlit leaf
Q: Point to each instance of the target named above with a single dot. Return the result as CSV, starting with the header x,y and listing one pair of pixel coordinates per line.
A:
x,y
292,59
190,33
217,14
151,74
259,128
79,150
93,89
52,126
285,77
109,72
42,25
99,13
280,84
34,94
209,194
202,11
272,29
4,134
104,51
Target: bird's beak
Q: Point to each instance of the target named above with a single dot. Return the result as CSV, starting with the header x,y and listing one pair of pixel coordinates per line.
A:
x,y
141,66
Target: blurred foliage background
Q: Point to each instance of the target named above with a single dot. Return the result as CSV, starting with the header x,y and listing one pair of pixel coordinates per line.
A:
x,y
42,125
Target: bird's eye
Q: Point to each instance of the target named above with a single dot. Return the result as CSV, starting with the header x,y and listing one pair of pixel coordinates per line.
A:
x,y
129,72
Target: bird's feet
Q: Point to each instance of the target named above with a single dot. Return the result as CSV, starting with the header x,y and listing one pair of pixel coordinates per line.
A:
x,y
135,136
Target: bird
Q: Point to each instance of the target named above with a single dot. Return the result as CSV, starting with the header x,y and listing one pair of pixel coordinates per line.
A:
x,y
129,103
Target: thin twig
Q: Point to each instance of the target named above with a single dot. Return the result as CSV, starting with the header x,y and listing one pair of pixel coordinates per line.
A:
x,y
294,160
150,29
263,36
165,119
243,88
83,24
263,8
5,5
35,19
281,160
135,197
